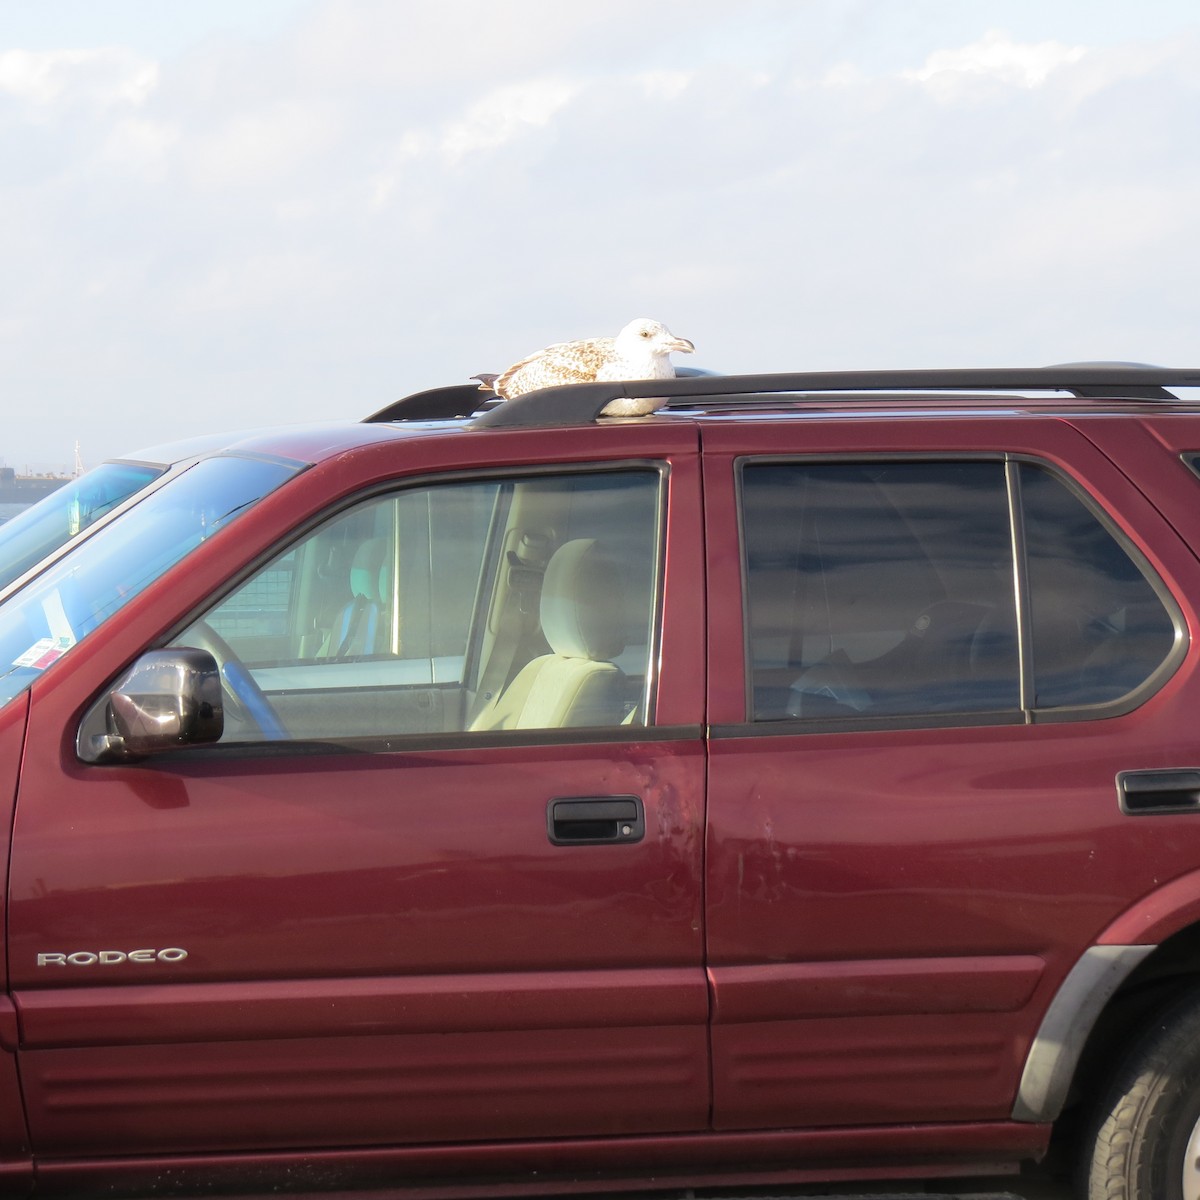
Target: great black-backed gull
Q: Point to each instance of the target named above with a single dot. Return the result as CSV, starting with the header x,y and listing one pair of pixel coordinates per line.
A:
x,y
641,350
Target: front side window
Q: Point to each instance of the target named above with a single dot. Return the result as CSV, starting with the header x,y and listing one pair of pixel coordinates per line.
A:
x,y
894,589
483,605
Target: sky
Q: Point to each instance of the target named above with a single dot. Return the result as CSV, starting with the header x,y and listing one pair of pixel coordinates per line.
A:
x,y
239,213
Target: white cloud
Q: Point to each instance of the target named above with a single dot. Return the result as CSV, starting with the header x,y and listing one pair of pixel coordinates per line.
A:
x,y
498,119
504,115
100,76
385,197
996,57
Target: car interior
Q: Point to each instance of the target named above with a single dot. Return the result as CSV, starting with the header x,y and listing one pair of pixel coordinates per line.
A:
x,y
498,604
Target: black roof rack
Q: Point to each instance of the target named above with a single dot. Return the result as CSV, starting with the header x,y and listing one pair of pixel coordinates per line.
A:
x,y
459,400
581,403
436,404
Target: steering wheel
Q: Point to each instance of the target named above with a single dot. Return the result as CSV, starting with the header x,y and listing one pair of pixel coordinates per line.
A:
x,y
247,700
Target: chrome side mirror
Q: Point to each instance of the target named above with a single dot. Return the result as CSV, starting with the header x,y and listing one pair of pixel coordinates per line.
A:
x,y
168,700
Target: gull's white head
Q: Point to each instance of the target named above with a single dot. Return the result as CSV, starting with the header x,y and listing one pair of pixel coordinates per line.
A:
x,y
644,338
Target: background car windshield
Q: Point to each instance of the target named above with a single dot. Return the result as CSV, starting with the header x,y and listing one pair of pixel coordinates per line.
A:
x,y
40,530
43,621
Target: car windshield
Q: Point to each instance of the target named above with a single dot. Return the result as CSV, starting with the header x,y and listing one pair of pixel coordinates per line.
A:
x,y
36,533
44,620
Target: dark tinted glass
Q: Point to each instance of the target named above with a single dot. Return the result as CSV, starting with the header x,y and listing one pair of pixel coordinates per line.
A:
x,y
1099,627
879,589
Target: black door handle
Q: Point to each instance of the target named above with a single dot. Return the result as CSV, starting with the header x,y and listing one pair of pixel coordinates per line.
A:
x,y
591,820
1169,791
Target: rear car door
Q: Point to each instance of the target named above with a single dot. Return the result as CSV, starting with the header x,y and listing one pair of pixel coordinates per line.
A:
x,y
440,881
931,660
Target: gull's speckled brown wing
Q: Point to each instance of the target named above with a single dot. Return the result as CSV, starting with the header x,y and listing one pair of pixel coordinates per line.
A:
x,y
564,362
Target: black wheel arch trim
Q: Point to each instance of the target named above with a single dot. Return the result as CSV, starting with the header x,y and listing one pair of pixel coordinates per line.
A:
x,y
1077,1005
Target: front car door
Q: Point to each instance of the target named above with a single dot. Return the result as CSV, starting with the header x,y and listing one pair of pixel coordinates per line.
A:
x,y
936,655
14,1140
440,881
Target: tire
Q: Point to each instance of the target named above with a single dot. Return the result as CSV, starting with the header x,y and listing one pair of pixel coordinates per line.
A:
x,y
1146,1135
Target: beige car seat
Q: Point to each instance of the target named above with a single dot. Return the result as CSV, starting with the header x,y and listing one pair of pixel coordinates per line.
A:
x,y
584,621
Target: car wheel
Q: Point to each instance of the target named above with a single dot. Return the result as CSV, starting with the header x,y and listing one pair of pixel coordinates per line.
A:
x,y
1146,1143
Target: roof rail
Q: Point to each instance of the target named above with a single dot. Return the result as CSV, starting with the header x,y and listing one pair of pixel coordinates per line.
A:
x,y
459,400
582,403
436,404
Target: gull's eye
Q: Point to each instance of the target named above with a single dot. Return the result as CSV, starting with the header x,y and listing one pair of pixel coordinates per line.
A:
x,y
646,333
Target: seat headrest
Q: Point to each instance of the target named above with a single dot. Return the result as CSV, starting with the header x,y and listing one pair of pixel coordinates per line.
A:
x,y
367,571
583,608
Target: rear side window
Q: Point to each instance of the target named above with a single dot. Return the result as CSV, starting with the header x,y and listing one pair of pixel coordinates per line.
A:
x,y
901,589
1099,629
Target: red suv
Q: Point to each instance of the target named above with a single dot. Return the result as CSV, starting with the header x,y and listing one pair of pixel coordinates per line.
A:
x,y
798,784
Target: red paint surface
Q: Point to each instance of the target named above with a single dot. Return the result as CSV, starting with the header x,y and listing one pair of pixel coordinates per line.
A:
x,y
386,957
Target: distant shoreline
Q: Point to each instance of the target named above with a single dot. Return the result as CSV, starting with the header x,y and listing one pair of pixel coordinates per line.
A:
x,y
27,489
